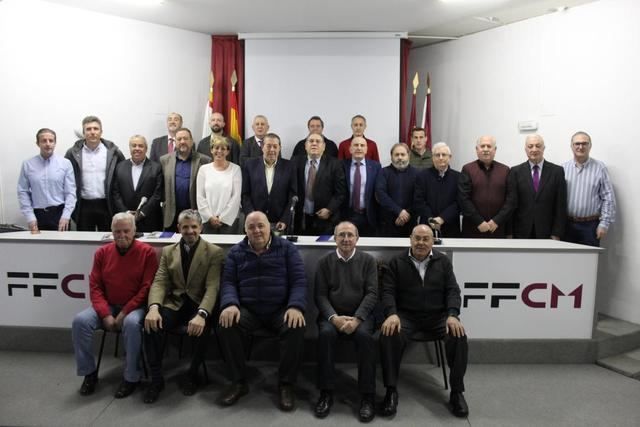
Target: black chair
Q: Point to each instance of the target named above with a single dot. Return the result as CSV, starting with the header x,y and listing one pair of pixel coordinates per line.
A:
x,y
181,333
439,350
115,351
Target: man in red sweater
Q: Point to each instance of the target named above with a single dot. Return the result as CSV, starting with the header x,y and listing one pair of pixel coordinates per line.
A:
x,y
358,126
119,284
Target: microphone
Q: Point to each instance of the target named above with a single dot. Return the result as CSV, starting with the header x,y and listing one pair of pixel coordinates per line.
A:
x,y
292,205
142,202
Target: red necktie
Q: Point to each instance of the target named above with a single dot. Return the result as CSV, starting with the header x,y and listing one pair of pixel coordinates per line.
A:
x,y
171,146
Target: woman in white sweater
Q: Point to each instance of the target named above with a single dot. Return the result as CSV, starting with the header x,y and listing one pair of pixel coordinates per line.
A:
x,y
219,188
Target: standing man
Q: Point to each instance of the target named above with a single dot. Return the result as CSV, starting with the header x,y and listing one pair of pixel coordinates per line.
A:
x,y
137,187
120,278
47,187
264,286
321,189
361,207
183,292
252,147
180,170
591,204
395,188
482,193
316,125
420,294
420,155
436,195
166,144
358,126
269,184
538,192
346,288
94,163
216,121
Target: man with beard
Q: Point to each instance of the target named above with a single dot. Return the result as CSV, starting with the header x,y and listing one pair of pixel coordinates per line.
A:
x,y
420,155
216,121
395,187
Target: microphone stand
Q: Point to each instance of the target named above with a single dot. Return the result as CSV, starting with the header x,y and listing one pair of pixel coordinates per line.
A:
x,y
290,236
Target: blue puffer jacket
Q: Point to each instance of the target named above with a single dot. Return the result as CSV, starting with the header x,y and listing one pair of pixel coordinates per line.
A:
x,y
267,283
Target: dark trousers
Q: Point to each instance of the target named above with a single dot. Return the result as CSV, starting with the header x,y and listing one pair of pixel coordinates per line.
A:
x,y
49,217
583,233
361,221
392,348
94,215
233,340
312,225
154,342
365,347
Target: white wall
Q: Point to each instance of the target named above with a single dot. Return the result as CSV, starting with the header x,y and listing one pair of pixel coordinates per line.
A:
x,y
575,70
60,64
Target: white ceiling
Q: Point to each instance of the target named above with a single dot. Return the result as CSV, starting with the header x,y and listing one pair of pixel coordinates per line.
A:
x,y
445,18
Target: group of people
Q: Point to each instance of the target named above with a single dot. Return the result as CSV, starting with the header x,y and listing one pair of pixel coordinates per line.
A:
x,y
262,284
322,184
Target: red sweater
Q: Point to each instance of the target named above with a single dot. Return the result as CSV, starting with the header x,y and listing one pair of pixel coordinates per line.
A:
x,y
372,150
121,279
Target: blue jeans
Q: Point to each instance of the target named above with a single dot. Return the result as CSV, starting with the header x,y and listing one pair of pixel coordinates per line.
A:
x,y
87,321
583,233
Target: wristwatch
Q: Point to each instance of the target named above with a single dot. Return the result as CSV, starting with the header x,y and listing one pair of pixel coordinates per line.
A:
x,y
203,313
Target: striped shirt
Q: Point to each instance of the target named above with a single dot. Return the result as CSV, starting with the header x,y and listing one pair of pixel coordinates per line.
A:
x,y
589,191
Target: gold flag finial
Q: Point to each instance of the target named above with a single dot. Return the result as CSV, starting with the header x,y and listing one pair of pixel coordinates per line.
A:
x,y
416,82
234,80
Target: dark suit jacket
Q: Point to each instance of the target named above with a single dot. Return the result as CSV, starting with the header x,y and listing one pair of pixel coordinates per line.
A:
x,y
330,149
150,185
254,189
249,150
435,196
159,147
544,211
329,189
371,205
168,162
204,147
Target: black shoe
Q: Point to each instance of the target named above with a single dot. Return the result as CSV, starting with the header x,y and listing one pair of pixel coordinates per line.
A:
x,y
325,402
189,385
367,410
287,397
233,393
125,389
89,384
390,402
153,392
458,405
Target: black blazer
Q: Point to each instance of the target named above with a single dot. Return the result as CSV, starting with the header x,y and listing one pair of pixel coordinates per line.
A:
x,y
249,150
150,185
329,187
370,202
204,147
544,211
435,196
330,148
159,147
254,189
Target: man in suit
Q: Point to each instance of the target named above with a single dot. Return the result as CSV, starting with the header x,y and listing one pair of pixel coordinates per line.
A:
x,y
136,178
360,207
94,161
252,147
436,195
269,183
167,143
420,294
321,189
358,126
316,125
216,121
180,170
539,195
183,292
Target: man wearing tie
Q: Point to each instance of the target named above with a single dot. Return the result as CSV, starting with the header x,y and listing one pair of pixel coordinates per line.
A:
x,y
167,143
137,187
252,147
360,174
539,195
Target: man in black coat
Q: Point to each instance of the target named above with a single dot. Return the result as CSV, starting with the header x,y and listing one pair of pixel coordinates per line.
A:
x,y
420,294
137,178
538,192
167,143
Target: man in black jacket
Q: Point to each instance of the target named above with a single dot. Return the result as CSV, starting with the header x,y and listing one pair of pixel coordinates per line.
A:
x,y
420,294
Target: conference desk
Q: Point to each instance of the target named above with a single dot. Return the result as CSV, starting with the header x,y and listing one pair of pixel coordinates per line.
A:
x,y
513,289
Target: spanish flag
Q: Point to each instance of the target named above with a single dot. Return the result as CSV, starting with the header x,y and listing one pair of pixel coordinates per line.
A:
x,y
234,125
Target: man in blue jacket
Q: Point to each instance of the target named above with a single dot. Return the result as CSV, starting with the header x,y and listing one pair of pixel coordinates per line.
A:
x,y
264,285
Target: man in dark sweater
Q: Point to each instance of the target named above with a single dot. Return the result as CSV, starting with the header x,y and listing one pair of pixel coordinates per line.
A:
x,y
346,285
420,294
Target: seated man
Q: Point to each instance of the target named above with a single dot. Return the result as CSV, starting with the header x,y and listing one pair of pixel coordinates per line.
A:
x,y
119,282
346,286
420,293
183,292
264,286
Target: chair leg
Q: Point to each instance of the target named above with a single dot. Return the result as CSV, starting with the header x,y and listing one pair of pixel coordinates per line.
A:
x,y
436,345
115,352
104,336
250,349
440,348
